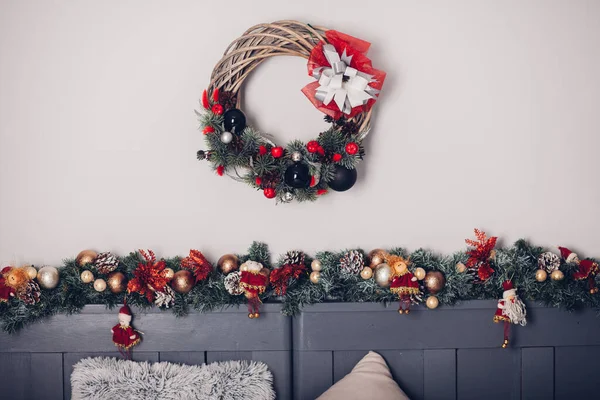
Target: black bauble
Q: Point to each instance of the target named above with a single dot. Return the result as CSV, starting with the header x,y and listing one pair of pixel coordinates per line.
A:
x,y
297,176
234,121
343,179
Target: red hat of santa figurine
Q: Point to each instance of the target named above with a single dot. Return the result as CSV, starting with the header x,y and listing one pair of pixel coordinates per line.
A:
x,y
568,255
509,289
125,313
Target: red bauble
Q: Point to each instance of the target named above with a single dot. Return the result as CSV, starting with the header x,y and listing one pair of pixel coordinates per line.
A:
x,y
262,150
217,109
352,148
220,170
208,129
258,180
312,146
321,192
336,157
269,193
277,152
321,151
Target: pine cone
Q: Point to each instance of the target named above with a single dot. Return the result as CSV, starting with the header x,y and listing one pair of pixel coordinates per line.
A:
x,y
227,100
30,294
232,283
293,257
106,263
549,261
352,262
165,298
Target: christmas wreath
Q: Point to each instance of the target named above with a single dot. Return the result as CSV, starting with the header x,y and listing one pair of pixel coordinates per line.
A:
x,y
345,88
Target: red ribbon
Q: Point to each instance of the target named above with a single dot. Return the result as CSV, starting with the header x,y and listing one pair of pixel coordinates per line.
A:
x,y
357,49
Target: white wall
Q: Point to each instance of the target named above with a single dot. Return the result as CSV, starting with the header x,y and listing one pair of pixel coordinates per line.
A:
x,y
489,118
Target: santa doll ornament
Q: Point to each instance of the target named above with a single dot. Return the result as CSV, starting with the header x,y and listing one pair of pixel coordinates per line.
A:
x,y
511,310
586,269
124,336
403,283
253,280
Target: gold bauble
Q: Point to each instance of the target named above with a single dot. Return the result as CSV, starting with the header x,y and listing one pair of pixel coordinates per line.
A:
x,y
432,302
377,257
99,285
117,282
557,275
460,267
86,257
492,255
169,273
366,273
316,265
183,281
541,275
420,273
383,274
31,272
434,281
228,263
87,276
48,277
315,276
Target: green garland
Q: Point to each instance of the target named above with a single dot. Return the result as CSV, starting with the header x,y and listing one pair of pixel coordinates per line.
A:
x,y
518,262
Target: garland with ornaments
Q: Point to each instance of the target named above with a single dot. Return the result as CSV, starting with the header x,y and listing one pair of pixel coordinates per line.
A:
x,y
345,88
519,272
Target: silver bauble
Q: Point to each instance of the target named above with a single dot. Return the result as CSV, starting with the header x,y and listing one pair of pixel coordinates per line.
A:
x,y
226,137
287,197
48,277
296,156
383,273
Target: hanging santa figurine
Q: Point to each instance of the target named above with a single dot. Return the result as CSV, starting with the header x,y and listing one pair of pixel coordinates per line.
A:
x,y
124,336
511,310
403,283
253,280
586,269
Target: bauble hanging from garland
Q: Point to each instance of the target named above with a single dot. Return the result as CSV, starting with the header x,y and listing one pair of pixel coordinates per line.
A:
x,y
48,277
228,263
117,282
434,281
86,257
183,281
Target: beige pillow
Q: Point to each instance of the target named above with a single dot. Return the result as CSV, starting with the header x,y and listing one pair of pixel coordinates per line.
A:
x,y
369,379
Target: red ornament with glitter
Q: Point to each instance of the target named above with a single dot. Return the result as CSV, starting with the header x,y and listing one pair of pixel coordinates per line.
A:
x,y
336,157
208,129
262,150
197,264
481,255
149,276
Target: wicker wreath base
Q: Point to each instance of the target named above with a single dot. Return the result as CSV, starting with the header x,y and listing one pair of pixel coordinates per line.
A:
x,y
298,171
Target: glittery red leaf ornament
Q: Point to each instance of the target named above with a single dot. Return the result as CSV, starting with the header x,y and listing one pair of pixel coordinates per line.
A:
x,y
197,264
149,276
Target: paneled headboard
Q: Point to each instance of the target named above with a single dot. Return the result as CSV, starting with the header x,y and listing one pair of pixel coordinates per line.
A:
x,y
447,353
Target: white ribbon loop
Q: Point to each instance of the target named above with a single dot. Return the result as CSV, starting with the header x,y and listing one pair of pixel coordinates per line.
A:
x,y
347,93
